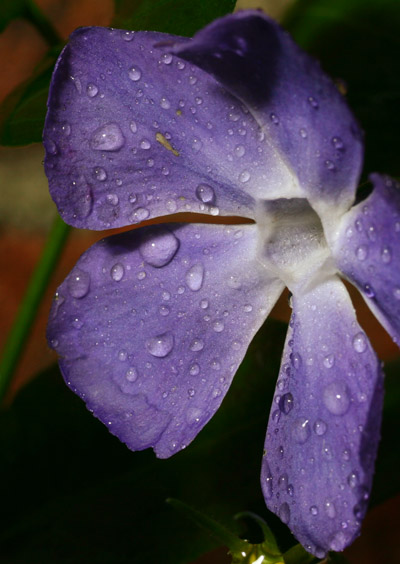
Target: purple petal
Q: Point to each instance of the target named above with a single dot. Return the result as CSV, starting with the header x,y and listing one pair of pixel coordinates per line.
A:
x,y
368,251
323,429
152,325
300,110
133,132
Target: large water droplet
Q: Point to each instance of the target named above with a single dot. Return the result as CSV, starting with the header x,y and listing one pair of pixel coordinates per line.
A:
x,y
267,480
205,193
320,427
218,326
78,283
286,403
139,214
336,397
135,73
161,345
108,137
329,361
301,430
362,252
330,509
386,255
353,479
360,342
194,277
92,90
284,513
100,174
117,272
160,248
196,345
131,374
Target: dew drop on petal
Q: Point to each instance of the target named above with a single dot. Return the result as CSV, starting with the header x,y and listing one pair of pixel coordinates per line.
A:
x,y
107,138
284,513
161,345
194,277
139,214
158,250
135,73
301,430
330,509
360,342
117,272
78,283
267,479
205,193
320,427
131,374
99,173
329,361
218,326
133,126
244,176
194,369
196,345
337,143
92,90
336,397
396,293
386,255
286,403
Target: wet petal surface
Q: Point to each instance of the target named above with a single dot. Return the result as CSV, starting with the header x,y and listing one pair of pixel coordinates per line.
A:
x,y
151,327
367,251
304,117
323,429
133,132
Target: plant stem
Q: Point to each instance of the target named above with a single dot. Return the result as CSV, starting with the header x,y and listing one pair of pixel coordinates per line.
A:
x,y
31,301
42,23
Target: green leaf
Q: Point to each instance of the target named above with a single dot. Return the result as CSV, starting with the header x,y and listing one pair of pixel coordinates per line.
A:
x,y
180,17
23,112
10,10
357,41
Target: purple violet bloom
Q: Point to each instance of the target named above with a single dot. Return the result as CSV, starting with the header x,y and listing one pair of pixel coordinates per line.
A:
x,y
152,324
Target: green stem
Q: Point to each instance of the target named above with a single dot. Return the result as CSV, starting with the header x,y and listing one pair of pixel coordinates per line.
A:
x,y
223,535
298,555
30,303
42,23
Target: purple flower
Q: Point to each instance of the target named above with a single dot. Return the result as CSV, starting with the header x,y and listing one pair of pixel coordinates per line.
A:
x,y
152,324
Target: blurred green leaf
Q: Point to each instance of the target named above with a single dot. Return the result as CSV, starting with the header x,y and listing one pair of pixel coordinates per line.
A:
x,y
74,493
10,10
358,41
23,111
169,16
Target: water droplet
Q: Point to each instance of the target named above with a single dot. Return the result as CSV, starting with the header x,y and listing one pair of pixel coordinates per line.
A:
x,y
240,150
286,403
369,291
329,361
360,342
165,103
386,255
284,513
166,58
274,118
337,143
131,374
330,165
296,360
78,283
267,480
196,345
330,509
244,176
313,102
218,326
336,397
234,282
314,510
160,248
133,126
371,232
117,272
303,133
128,35
396,293
139,214
248,308
194,369
320,427
161,345
145,144
66,129
108,137
100,174
205,193
301,430
92,90
194,277
353,479
112,199
135,73
346,454
204,304
362,252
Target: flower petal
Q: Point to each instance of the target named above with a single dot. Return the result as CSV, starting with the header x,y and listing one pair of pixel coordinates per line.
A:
x,y
367,251
305,118
133,132
152,325
323,429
